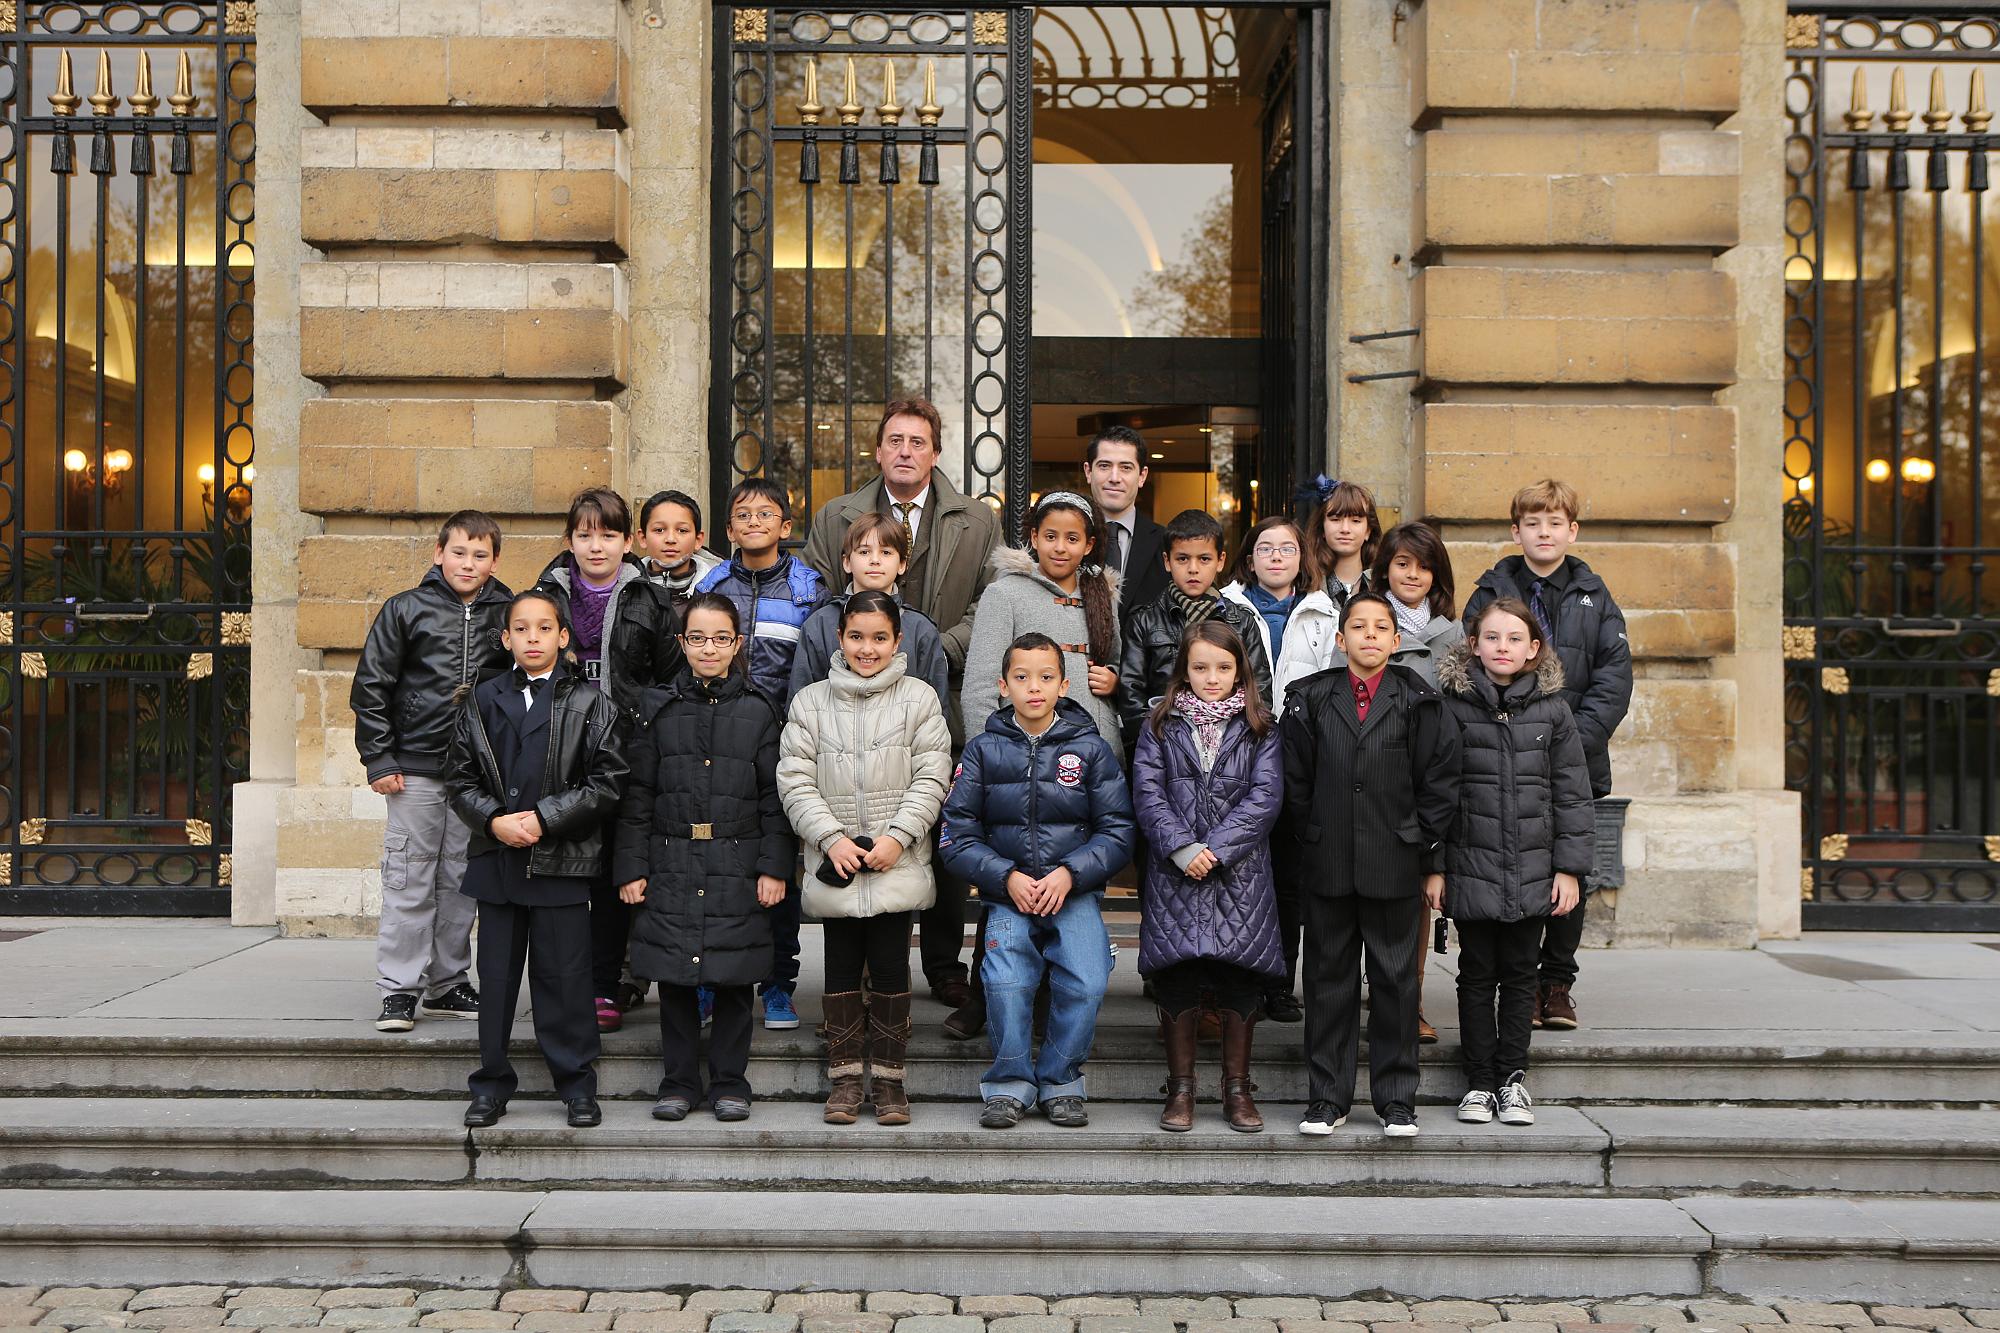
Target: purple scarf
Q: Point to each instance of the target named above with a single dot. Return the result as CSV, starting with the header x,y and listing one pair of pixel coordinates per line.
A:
x,y
1206,720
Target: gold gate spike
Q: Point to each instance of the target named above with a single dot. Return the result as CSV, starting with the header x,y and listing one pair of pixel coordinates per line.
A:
x,y
1976,116
144,103
1899,115
182,100
64,101
1938,119
104,102
1859,117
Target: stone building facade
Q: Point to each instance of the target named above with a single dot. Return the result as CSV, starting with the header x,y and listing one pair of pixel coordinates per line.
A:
x,y
484,279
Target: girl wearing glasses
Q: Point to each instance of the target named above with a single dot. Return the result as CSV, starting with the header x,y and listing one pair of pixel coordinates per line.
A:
x,y
1269,578
703,848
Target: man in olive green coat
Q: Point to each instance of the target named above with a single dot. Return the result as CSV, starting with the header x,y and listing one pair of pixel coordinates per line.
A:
x,y
952,539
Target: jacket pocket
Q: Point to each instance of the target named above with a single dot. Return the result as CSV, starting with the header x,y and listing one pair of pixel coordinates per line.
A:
x,y
1410,833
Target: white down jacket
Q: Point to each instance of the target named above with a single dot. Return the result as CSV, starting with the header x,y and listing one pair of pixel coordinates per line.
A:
x,y
866,755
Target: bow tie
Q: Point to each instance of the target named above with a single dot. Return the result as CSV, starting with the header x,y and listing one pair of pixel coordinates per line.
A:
x,y
533,687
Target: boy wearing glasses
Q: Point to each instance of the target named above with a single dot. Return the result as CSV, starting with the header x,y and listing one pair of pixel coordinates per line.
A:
x,y
775,593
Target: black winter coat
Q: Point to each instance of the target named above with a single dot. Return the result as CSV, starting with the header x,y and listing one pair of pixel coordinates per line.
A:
x,y
1151,642
582,771
1524,806
1371,801
1032,803
700,821
1590,640
424,646
641,631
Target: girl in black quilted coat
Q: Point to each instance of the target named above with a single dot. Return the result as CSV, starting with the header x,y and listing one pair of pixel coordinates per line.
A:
x,y
703,843
1520,844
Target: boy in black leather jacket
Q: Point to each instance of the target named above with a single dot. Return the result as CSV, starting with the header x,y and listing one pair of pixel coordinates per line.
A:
x,y
536,771
1153,632
426,644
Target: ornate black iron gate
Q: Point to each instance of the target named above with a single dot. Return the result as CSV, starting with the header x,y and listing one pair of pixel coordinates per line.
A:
x,y
125,450
1892,623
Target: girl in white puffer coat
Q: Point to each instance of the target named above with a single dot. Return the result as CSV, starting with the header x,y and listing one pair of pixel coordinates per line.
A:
x,y
862,769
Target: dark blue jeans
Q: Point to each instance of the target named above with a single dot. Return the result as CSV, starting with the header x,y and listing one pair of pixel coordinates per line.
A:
x,y
1074,950
784,974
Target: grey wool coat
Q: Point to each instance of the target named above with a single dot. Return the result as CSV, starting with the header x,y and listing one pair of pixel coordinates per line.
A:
x,y
1023,600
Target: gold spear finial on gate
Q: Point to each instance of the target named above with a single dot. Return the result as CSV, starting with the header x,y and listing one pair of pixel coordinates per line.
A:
x,y
182,101
1899,115
850,106
928,111
1938,119
104,102
64,101
811,110
891,109
1859,116
1976,116
143,101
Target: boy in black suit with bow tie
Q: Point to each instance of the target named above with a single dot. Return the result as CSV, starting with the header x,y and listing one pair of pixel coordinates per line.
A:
x,y
536,770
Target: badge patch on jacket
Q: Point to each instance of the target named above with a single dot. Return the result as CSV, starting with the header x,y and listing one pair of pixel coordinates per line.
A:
x,y
1069,769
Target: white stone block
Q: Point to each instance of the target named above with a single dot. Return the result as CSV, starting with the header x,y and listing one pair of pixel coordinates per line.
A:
x,y
391,147
486,286
439,18
326,146
548,18
1700,153
412,286
498,150
349,18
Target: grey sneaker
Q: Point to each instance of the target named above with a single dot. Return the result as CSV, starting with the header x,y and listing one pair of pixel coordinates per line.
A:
x,y
1066,1112
1002,1113
1516,1106
1476,1108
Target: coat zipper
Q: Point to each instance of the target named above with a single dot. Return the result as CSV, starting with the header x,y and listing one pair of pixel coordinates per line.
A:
x,y
1513,843
465,647
1034,812
860,803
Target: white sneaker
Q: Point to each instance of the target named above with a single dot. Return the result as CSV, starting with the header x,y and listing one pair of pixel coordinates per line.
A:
x,y
1516,1106
1476,1108
1320,1120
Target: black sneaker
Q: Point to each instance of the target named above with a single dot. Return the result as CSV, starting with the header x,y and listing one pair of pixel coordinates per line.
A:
x,y
1281,1006
461,1001
1001,1113
1066,1112
399,1013
1399,1122
1321,1119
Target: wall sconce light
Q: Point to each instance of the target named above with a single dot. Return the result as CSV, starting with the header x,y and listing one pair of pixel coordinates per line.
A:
x,y
1919,470
1878,469
83,474
1805,485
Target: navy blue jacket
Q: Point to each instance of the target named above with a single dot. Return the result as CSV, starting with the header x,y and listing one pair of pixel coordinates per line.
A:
x,y
774,605
1032,803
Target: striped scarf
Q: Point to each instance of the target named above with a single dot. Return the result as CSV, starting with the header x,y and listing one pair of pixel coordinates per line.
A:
x,y
1207,720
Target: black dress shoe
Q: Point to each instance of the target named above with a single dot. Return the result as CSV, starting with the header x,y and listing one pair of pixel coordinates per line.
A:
x,y
484,1112
584,1113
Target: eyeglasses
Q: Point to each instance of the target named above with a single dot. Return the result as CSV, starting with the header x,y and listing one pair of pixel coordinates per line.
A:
x,y
1264,551
703,640
757,516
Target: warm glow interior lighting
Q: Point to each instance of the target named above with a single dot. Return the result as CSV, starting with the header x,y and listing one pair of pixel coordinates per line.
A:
x,y
249,473
1919,469
1878,469
1805,485
206,472
75,461
118,460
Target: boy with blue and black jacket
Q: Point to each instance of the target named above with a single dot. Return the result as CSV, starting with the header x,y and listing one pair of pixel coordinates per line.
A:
x,y
775,594
1039,819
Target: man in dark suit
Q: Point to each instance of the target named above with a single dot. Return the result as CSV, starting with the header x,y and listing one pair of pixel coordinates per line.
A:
x,y
1371,785
1114,467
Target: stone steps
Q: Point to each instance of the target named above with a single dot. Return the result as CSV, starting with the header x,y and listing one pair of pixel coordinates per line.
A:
x,y
1579,1068
1610,1150
979,1243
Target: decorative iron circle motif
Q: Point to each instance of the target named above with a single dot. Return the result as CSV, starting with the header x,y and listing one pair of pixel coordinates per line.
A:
x,y
750,89
811,28
868,29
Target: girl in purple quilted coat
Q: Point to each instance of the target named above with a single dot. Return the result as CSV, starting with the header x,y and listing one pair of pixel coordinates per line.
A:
x,y
1207,785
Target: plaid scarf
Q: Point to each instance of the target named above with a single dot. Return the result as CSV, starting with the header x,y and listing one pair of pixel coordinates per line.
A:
x,y
1193,610
1207,720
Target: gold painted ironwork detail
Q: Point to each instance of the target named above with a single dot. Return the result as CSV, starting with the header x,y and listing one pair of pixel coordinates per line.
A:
x,y
34,666
1807,882
1833,680
199,833
240,18
33,832
64,101
1899,115
812,108
225,870
849,109
1976,116
201,666
235,628
1833,847
1800,643
989,27
10,16
752,25
1938,119
104,102
6,867
182,100
1859,114
928,110
144,101
7,627
891,109
1993,684
1802,31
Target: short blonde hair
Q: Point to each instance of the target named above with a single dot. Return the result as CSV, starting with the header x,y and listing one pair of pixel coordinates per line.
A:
x,y
1547,496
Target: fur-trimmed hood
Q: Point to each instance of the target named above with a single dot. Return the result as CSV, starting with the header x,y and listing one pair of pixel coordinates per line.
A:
x,y
1020,560
1456,677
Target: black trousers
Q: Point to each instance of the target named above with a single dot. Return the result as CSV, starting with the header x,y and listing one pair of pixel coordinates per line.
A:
x,y
610,927
1562,936
1496,997
1337,932
1180,987
728,1042
942,929
876,945
1285,873
552,944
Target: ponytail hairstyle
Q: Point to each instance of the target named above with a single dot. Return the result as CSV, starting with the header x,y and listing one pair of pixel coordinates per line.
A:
x,y
1218,633
1093,585
1517,608
1334,499
1420,542
873,602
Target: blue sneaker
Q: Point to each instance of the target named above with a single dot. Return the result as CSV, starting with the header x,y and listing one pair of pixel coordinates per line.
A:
x,y
779,1016
705,998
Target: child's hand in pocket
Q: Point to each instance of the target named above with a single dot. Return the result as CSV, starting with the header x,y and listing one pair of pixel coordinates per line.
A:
x,y
885,853
1563,897
1103,680
846,855
770,890
1434,892
633,893
1203,862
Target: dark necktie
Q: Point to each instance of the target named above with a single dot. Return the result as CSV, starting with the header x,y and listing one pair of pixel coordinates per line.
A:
x,y
1117,552
1361,693
1541,610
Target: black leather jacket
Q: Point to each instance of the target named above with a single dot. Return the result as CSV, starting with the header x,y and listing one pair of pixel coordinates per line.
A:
x,y
582,777
1152,641
424,646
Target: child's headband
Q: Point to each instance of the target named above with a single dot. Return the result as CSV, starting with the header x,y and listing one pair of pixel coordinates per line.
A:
x,y
1068,498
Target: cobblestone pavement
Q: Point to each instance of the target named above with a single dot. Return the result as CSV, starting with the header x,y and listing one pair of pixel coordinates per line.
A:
x,y
539,1310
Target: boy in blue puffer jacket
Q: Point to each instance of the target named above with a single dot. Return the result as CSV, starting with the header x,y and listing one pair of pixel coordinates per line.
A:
x,y
1039,820
775,593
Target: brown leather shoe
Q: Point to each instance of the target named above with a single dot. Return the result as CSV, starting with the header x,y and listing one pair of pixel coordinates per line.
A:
x,y
1177,1033
1558,1009
1238,1108
846,1021
952,993
888,1044
1541,998
1426,1034
969,1019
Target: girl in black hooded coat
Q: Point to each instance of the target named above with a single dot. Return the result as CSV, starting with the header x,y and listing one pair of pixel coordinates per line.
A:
x,y
1518,849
